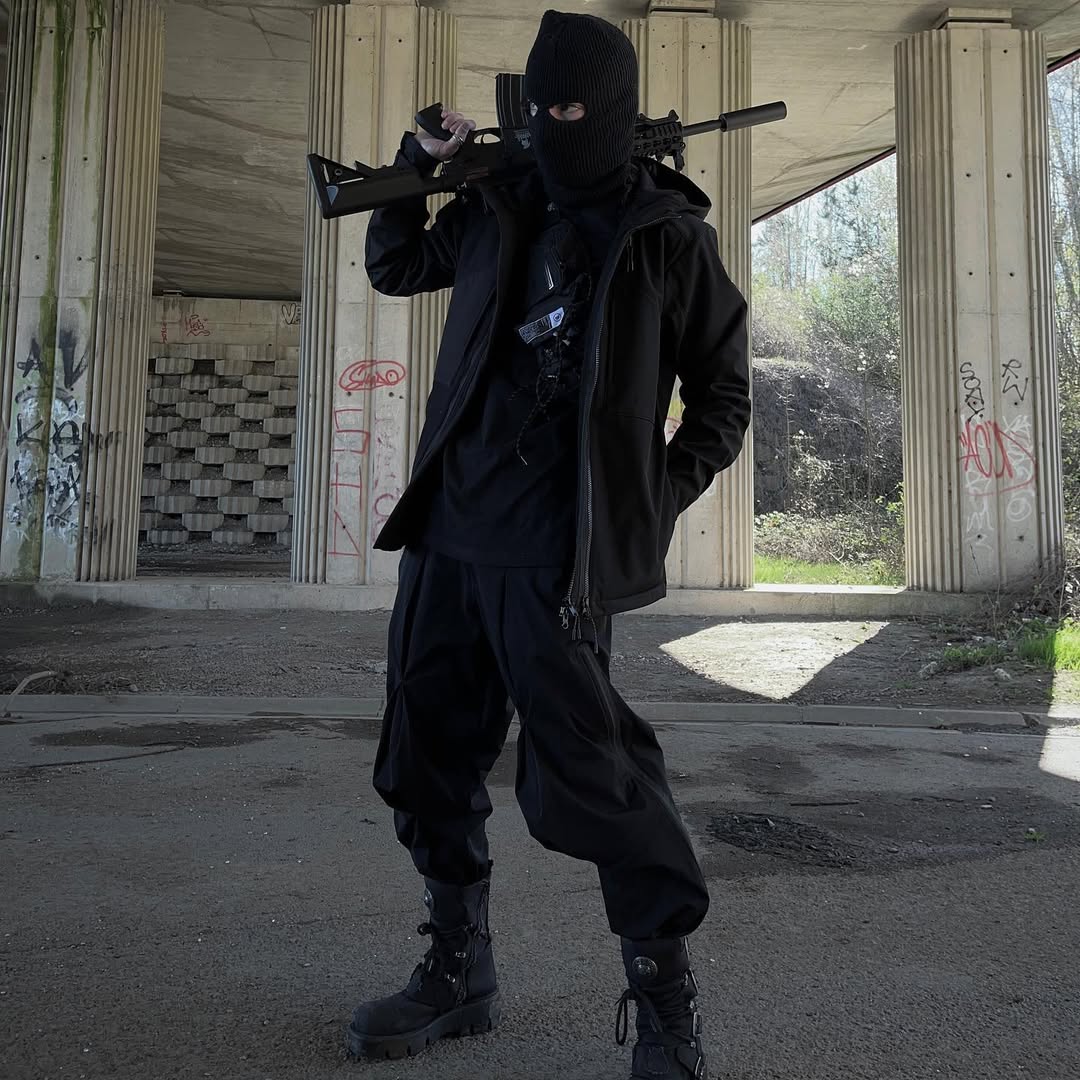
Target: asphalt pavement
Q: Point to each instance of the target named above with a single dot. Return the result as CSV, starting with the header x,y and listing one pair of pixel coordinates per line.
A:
x,y
204,896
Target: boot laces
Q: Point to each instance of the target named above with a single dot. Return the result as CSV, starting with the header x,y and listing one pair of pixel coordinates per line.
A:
x,y
644,1006
662,1013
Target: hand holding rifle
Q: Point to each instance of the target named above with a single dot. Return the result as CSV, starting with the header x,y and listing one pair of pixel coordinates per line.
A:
x,y
459,128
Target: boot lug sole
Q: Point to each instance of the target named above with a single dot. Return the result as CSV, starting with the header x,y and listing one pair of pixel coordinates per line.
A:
x,y
473,1018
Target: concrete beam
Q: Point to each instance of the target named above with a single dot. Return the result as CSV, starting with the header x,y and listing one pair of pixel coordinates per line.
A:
x,y
682,7
972,17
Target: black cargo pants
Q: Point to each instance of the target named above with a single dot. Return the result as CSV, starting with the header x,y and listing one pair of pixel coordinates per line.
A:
x,y
465,642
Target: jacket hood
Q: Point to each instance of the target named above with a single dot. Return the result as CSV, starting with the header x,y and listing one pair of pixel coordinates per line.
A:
x,y
657,190
657,181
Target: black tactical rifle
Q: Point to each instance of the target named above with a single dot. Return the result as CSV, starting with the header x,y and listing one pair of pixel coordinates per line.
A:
x,y
499,154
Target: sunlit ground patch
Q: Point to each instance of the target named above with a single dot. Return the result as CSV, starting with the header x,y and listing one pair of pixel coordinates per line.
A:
x,y
1061,754
771,659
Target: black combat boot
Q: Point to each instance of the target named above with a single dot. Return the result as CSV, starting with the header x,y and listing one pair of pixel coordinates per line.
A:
x,y
452,991
663,987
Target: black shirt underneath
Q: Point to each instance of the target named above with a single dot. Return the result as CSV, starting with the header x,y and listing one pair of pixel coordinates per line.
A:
x,y
508,491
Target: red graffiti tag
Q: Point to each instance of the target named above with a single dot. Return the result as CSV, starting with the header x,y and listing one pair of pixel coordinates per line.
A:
x,y
195,327
350,422
995,454
384,507
351,443
342,540
371,375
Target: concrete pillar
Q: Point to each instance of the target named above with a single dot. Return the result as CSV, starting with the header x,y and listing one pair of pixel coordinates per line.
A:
x,y
79,185
982,455
700,66
366,360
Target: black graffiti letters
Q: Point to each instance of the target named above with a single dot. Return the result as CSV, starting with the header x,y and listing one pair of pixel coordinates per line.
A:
x,y
1010,380
974,401
74,369
32,362
26,432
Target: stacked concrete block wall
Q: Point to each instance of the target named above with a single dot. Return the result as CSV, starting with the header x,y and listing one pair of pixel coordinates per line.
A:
x,y
221,424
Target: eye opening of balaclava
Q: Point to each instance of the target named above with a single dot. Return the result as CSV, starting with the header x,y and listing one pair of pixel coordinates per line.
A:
x,y
580,58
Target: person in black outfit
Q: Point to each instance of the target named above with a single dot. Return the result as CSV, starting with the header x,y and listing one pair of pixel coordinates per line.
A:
x,y
542,502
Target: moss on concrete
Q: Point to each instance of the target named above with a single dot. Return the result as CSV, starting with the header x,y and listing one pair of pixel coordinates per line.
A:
x,y
28,563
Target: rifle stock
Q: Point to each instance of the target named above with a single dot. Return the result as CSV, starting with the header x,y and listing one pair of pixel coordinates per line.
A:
x,y
341,190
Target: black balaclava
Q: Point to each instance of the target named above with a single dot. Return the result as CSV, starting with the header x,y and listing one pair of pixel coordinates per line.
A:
x,y
580,58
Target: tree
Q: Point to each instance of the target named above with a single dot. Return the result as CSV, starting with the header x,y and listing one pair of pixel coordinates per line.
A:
x,y
1064,91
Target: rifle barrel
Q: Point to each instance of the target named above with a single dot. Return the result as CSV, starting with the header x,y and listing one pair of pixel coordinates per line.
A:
x,y
740,118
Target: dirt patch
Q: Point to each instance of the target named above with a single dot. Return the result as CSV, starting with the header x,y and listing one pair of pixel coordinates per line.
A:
x,y
797,841
193,735
766,768
878,833
70,682
292,779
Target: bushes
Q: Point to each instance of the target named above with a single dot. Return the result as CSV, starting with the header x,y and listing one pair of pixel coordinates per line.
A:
x,y
853,318
822,440
779,321
1070,454
870,535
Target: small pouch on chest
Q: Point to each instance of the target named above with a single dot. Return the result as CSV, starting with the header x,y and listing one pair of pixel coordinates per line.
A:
x,y
558,286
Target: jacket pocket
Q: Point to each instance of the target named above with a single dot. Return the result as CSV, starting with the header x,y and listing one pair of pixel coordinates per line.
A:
x,y
630,352
633,505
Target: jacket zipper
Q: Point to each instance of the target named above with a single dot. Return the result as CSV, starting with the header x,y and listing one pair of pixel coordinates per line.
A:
x,y
577,605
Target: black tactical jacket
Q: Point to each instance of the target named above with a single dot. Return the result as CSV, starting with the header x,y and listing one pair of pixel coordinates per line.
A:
x,y
664,307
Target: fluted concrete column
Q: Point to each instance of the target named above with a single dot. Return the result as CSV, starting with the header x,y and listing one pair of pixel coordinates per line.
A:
x,y
982,456
79,187
700,66
366,360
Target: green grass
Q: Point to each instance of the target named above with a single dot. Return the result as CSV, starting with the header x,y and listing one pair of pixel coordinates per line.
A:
x,y
965,657
772,570
1056,650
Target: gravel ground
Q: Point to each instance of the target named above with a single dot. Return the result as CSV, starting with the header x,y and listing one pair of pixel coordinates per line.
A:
x,y
99,648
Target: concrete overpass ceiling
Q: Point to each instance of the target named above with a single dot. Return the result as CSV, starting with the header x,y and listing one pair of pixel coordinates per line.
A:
x,y
233,140
232,189
833,63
